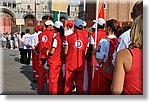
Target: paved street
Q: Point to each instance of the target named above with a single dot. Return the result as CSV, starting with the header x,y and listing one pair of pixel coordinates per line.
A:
x,y
17,77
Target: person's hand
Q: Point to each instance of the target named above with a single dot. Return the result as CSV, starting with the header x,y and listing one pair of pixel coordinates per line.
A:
x,y
33,47
28,46
47,52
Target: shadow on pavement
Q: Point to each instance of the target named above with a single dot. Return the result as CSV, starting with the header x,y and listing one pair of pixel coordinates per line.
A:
x,y
17,59
27,71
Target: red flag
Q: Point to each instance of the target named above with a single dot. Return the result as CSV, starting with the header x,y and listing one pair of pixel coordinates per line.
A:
x,y
101,11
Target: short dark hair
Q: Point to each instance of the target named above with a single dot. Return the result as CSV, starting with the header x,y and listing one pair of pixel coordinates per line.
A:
x,y
100,26
22,33
27,31
60,30
79,28
46,26
112,24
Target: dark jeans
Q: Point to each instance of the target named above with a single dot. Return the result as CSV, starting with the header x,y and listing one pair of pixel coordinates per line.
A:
x,y
27,56
21,55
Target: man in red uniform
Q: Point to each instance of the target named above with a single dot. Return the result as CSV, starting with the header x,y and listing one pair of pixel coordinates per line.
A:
x,y
45,42
34,38
104,67
101,33
76,45
55,62
36,50
94,77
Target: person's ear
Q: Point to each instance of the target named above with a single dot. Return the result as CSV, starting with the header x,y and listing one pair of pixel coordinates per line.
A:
x,y
132,15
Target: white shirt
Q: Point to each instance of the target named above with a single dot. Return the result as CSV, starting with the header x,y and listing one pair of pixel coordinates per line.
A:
x,y
21,43
111,36
91,40
123,42
26,39
4,38
16,37
103,48
9,37
68,32
34,39
54,43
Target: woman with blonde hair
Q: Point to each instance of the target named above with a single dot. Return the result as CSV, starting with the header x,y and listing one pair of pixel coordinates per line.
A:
x,y
128,71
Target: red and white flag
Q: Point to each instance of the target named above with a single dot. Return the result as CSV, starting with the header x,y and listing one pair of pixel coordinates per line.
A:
x,y
101,11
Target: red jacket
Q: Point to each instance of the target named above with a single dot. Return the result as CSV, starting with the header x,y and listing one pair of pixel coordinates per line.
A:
x,y
45,42
100,34
58,55
77,44
85,32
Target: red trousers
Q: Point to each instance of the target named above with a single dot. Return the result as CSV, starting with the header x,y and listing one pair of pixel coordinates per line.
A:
x,y
90,70
56,80
100,85
35,65
42,72
78,77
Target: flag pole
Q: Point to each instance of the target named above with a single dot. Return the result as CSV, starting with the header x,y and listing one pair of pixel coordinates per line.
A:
x,y
93,71
97,5
84,8
59,11
20,28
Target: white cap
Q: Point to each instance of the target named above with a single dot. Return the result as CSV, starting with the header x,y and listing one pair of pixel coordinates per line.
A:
x,y
100,21
84,23
49,22
58,24
94,26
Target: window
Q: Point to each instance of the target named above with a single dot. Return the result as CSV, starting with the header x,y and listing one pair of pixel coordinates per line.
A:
x,y
68,10
4,4
105,6
45,7
9,4
14,5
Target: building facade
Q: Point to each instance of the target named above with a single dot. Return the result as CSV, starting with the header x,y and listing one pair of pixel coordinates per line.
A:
x,y
36,12
113,9
33,12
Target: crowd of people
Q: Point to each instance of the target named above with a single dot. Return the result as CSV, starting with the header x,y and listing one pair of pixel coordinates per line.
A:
x,y
9,40
110,54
